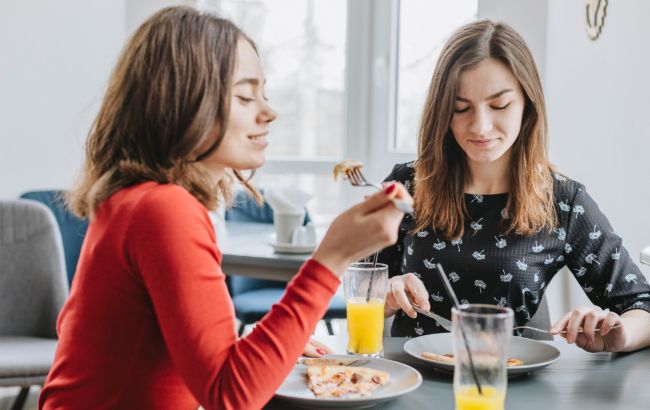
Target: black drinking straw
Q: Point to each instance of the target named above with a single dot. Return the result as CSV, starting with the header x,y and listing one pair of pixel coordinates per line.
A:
x,y
372,273
454,299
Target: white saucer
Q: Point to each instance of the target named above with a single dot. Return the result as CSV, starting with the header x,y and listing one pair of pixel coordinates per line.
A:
x,y
291,248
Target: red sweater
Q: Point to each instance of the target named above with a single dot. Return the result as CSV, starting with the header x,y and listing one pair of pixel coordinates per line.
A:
x,y
150,325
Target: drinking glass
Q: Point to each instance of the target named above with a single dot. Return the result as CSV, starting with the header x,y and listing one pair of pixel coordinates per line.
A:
x,y
486,330
364,288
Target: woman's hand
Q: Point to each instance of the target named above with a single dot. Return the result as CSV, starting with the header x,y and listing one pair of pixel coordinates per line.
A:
x,y
315,348
589,319
404,290
362,229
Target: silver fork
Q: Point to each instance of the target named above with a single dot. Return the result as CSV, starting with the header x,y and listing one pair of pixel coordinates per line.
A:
x,y
353,363
580,330
356,178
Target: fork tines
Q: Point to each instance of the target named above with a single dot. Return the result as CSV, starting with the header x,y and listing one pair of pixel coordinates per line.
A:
x,y
355,176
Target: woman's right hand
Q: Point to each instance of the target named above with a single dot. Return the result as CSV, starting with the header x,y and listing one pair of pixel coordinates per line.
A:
x,y
404,290
363,229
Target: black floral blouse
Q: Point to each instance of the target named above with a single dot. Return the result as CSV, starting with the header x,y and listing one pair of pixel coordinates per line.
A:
x,y
484,266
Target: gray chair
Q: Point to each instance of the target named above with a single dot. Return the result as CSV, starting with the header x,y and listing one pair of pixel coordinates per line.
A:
x,y
33,287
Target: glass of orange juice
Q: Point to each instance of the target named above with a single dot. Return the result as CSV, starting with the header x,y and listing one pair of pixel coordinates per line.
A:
x,y
486,330
364,287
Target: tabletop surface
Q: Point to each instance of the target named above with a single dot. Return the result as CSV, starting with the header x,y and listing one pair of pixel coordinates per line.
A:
x,y
577,380
249,244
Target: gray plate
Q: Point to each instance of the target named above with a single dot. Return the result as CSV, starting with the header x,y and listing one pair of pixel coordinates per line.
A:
x,y
403,379
535,354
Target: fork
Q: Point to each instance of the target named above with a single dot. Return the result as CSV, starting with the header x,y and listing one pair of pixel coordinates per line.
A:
x,y
580,330
356,178
353,363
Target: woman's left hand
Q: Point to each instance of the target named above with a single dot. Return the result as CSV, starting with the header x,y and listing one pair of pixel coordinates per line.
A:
x,y
316,349
589,319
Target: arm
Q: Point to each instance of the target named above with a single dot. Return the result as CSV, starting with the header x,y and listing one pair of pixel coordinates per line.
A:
x,y
609,277
172,246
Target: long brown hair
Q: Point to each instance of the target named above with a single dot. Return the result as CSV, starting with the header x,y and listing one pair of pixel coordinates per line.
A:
x,y
167,96
441,172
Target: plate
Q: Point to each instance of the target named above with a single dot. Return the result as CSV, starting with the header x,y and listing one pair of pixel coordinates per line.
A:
x,y
535,354
290,248
403,379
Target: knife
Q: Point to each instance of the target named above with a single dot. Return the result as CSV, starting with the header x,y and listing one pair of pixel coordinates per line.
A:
x,y
446,324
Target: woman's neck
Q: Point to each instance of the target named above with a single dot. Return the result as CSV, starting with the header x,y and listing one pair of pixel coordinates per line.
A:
x,y
487,178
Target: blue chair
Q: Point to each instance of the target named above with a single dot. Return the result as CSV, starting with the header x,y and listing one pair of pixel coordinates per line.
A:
x,y
73,230
253,298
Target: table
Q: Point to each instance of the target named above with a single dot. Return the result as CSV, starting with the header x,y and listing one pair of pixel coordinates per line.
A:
x,y
578,380
247,251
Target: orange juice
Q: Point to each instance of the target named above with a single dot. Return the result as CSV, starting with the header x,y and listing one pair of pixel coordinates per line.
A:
x,y
365,325
468,398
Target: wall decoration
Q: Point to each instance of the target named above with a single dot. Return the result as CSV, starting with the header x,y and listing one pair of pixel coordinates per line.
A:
x,y
595,17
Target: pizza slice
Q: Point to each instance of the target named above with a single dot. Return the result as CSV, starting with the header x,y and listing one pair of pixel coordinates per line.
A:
x,y
449,359
344,381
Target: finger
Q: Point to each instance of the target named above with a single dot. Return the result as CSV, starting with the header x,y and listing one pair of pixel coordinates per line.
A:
x,y
321,346
377,201
611,319
575,321
560,325
583,342
589,324
418,291
310,351
402,300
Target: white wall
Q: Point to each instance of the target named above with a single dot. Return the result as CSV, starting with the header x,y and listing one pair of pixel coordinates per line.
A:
x,y
55,58
599,112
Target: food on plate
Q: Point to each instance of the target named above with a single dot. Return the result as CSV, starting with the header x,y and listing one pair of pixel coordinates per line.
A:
x,y
449,358
444,358
344,166
344,381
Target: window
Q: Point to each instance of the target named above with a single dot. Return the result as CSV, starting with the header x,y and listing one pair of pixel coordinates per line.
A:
x,y
302,47
348,80
424,26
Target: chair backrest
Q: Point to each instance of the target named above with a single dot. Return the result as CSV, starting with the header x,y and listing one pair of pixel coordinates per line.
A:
x,y
73,230
33,283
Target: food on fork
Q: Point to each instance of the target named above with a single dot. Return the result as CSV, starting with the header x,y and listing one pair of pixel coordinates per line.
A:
x,y
346,166
449,359
344,381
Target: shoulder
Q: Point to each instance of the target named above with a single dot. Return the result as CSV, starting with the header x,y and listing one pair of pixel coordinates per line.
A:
x,y
163,205
566,189
403,173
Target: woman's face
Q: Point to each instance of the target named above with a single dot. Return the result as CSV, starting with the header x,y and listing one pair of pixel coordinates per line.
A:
x,y
244,142
488,111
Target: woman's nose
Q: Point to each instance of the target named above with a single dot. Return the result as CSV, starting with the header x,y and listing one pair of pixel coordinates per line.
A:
x,y
267,114
481,123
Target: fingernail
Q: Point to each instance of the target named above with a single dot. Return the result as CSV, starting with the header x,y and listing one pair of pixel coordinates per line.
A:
x,y
390,189
320,351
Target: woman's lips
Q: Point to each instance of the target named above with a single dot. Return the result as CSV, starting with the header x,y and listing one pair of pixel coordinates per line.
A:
x,y
482,143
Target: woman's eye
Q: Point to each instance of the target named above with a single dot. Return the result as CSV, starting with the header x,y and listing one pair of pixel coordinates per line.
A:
x,y
461,110
502,107
245,99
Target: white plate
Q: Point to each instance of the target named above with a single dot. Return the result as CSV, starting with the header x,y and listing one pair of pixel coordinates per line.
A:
x,y
290,248
403,379
535,354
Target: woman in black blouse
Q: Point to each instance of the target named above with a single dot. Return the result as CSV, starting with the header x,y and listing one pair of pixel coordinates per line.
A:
x,y
495,213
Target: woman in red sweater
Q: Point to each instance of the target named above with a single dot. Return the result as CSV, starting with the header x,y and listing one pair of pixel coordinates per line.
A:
x,y
149,323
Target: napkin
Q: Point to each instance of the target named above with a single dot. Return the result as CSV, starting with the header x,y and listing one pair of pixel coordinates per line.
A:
x,y
287,200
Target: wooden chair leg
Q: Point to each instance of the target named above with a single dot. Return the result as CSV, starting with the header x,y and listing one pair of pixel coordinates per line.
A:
x,y
330,330
19,401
